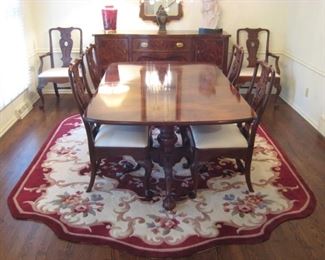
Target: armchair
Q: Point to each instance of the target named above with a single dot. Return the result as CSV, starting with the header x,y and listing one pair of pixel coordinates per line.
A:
x,y
60,38
257,41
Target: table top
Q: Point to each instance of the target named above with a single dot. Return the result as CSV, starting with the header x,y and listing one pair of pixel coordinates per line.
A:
x,y
167,93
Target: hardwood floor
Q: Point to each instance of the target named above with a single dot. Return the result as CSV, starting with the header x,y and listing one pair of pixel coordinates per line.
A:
x,y
297,239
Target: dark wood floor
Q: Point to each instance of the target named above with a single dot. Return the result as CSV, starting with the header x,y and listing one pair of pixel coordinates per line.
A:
x,y
297,239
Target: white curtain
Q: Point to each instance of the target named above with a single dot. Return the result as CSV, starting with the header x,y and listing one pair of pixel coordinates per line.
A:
x,y
14,73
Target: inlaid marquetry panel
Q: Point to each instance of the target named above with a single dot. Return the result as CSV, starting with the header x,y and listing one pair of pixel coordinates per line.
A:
x,y
109,50
210,50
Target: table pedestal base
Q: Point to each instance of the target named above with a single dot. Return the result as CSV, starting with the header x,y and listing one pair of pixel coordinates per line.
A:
x,y
167,155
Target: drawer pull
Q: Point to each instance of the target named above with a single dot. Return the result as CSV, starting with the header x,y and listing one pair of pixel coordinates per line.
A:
x,y
144,45
179,44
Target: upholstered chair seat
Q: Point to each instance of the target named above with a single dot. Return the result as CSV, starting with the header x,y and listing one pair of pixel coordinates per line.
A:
x,y
55,73
122,136
218,136
248,72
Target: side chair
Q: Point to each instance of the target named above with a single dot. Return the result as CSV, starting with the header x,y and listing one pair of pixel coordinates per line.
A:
x,y
235,64
257,43
233,140
92,65
61,42
105,140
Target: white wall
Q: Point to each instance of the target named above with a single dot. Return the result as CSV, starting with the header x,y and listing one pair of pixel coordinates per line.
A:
x,y
304,60
87,15
20,106
297,35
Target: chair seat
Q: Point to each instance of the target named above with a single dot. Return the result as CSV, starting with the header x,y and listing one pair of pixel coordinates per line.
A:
x,y
55,73
218,136
122,136
248,71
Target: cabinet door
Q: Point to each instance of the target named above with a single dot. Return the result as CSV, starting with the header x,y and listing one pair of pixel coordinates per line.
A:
x,y
111,49
212,50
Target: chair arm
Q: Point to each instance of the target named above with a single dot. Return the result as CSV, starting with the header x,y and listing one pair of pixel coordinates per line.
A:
x,y
276,57
44,55
81,55
42,62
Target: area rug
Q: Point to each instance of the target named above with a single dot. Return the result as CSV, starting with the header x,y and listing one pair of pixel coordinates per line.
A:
x,y
116,213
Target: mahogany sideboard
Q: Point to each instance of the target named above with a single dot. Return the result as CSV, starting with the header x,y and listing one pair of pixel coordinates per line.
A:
x,y
185,46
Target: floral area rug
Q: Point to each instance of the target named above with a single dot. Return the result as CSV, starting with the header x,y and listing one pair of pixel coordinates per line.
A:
x,y
116,213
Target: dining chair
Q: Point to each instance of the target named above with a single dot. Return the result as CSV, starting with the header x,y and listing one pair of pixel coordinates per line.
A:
x,y
109,140
92,65
257,42
233,140
60,40
235,64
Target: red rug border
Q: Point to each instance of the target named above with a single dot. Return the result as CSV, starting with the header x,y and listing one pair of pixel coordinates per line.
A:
x,y
58,229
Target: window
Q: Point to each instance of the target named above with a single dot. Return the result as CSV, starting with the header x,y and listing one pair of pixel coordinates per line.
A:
x,y
14,78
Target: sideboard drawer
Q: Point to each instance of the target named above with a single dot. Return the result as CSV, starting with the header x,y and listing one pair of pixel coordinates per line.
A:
x,y
172,56
159,44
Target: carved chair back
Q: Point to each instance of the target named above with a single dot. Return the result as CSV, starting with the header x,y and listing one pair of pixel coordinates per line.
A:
x,y
235,64
253,38
79,86
92,65
63,38
260,88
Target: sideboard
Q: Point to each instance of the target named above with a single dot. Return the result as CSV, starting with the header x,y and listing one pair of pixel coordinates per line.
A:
x,y
186,46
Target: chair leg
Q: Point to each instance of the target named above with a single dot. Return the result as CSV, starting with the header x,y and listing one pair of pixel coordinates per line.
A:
x,y
188,162
195,170
93,166
40,86
247,172
240,165
183,130
188,153
147,165
277,94
56,90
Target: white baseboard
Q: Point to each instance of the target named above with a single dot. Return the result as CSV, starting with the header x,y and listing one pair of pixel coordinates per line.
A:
x,y
322,125
5,127
16,110
61,91
320,129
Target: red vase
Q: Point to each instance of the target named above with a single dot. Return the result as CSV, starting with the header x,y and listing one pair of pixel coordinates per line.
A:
x,y
109,14
112,74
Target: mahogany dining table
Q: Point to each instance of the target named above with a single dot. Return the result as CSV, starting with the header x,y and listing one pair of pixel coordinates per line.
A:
x,y
165,95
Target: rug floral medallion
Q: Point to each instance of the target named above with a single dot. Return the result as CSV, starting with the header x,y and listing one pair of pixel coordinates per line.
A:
x,y
116,213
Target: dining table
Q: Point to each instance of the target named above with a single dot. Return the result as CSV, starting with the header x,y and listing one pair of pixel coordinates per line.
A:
x,y
167,95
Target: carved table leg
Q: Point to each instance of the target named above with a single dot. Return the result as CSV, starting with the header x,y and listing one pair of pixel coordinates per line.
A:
x,y
167,139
